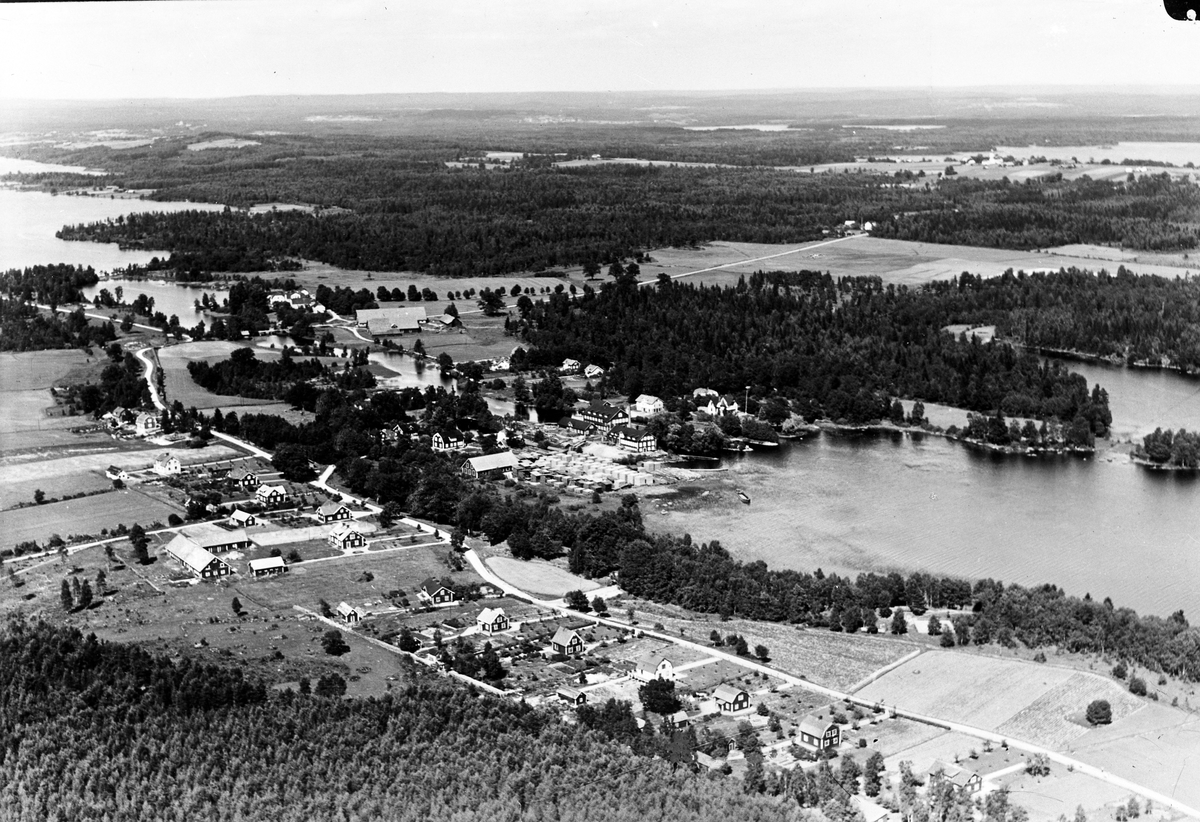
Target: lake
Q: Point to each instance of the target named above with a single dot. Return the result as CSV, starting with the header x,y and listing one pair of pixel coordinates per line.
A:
x,y
879,502
169,298
1179,154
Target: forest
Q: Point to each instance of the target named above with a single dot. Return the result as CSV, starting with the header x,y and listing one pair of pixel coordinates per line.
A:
x,y
841,348
99,730
244,375
392,205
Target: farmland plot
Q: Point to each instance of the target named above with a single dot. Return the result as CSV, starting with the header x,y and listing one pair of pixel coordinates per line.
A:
x,y
1048,719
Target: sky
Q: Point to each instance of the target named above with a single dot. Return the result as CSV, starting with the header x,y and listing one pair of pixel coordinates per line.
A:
x,y
225,48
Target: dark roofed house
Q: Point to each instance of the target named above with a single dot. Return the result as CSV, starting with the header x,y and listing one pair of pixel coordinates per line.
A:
x,y
603,415
115,473
451,439
577,425
491,466
634,437
566,641
433,592
198,561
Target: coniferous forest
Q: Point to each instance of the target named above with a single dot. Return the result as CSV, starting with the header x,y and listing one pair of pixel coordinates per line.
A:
x,y
97,730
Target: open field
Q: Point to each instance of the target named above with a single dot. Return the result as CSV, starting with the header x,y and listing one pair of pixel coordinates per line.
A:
x,y
25,382
315,274
539,577
481,338
179,384
56,473
832,659
86,515
1037,702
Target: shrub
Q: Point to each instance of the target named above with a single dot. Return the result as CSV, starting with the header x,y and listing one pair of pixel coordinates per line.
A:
x,y
1137,686
1119,670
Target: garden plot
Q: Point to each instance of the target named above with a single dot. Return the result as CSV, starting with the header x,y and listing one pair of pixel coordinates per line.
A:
x,y
539,577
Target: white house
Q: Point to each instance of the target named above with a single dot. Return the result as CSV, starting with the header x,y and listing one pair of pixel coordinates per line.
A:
x,y
634,438
654,667
570,366
647,406
115,473
593,372
147,424
166,465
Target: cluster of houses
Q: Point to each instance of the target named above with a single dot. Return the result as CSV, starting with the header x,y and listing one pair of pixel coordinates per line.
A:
x,y
571,367
616,423
138,423
300,299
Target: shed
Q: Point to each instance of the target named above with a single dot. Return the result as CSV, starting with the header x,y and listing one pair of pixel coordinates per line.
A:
x,y
267,567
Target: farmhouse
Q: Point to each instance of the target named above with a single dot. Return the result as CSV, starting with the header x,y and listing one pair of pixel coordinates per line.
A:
x,y
679,719
572,696
593,372
570,366
345,536
115,473
444,321
603,415
654,667
267,567
390,322
197,560
270,494
242,518
634,438
451,439
400,431
333,512
213,537
566,641
723,405
433,592
492,620
167,465
349,613
646,406
146,425
490,466
246,479
731,699
819,733
116,417
959,777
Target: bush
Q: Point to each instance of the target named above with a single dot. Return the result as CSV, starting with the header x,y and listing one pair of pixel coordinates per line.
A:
x,y
1137,686
1119,670
1099,712
333,643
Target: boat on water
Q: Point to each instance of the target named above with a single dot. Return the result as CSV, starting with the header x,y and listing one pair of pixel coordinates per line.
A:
x,y
744,497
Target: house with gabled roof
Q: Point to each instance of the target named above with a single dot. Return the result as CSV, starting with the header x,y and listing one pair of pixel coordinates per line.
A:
x,y
572,696
197,560
243,477
819,733
147,424
433,592
679,719
566,641
241,518
267,567
958,776
345,536
213,537
492,620
647,405
593,372
604,416
731,699
270,495
449,439
654,667
491,466
349,614
115,473
331,511
577,425
569,366
167,465
389,322
633,438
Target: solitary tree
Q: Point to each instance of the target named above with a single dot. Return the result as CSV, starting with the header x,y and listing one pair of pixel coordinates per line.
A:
x,y
658,696
237,606
68,601
333,643
599,605
39,496
899,623
1099,712
762,652
577,601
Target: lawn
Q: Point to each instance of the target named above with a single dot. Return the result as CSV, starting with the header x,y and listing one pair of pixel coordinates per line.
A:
x,y
539,577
